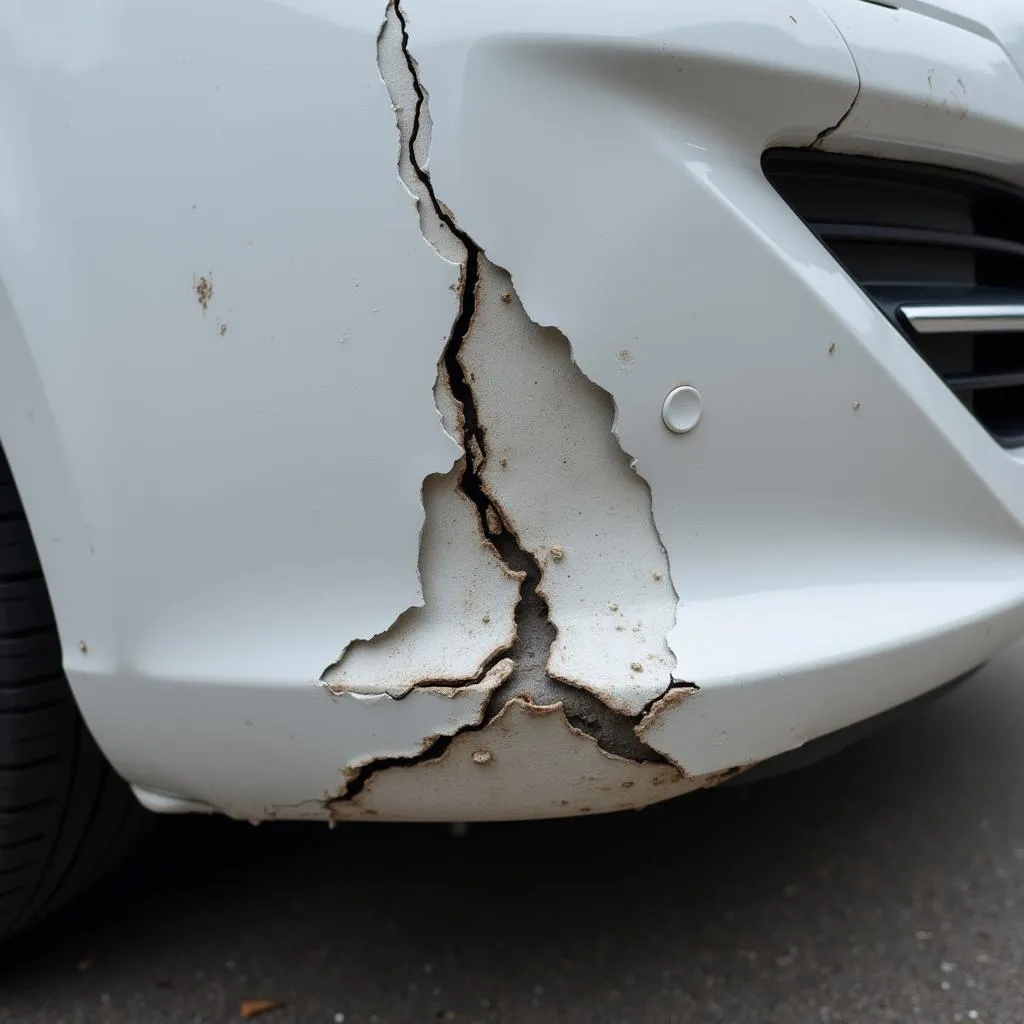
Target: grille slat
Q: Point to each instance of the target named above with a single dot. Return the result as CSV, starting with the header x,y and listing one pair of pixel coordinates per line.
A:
x,y
940,252
984,381
960,317
915,236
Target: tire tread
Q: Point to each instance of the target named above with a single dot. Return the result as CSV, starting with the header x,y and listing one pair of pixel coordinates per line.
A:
x,y
66,817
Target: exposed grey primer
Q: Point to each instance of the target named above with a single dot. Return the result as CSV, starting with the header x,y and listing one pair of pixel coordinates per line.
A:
x,y
522,663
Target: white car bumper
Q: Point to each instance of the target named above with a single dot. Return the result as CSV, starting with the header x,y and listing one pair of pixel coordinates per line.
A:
x,y
226,317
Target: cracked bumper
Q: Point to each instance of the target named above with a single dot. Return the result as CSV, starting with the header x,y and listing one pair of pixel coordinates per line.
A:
x,y
837,537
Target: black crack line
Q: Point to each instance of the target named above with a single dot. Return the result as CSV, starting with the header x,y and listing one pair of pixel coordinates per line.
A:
x,y
820,138
504,541
474,441
436,747
599,721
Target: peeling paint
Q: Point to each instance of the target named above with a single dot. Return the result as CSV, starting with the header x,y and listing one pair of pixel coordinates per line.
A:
x,y
468,614
396,74
674,697
545,554
460,707
413,120
568,474
448,408
534,192
536,765
570,494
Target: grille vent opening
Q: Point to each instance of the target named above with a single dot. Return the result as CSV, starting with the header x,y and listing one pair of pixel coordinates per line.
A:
x,y
940,252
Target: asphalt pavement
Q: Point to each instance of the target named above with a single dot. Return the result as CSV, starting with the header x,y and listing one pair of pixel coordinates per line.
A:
x,y
886,884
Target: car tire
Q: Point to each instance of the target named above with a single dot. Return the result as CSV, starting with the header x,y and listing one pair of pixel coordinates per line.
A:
x,y
65,816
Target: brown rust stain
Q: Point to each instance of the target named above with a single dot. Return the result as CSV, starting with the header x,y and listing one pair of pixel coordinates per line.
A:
x,y
725,774
475,451
494,523
204,291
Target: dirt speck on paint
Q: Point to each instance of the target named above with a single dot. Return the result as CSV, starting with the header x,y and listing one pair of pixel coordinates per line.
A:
x,y
204,291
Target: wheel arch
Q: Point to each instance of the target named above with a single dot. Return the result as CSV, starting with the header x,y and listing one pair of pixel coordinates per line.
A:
x,y
31,439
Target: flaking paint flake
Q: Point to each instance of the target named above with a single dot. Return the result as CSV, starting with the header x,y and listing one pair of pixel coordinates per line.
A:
x,y
442,711
570,494
468,614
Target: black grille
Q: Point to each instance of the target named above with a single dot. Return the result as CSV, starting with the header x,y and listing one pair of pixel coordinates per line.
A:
x,y
914,236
